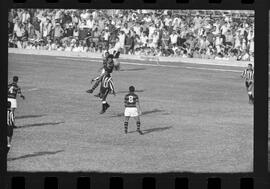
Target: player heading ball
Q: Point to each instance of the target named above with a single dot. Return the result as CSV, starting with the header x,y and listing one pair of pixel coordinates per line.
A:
x,y
132,109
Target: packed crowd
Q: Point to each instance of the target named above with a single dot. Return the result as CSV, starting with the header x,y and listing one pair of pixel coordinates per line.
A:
x,y
139,32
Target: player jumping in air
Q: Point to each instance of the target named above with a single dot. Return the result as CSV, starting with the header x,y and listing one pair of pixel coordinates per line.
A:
x,y
107,85
13,90
10,124
98,79
107,60
132,109
248,75
115,51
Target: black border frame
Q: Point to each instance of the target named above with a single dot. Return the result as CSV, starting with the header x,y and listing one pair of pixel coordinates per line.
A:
x,y
260,173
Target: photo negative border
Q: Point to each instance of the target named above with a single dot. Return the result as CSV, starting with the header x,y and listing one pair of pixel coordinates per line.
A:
x,y
258,179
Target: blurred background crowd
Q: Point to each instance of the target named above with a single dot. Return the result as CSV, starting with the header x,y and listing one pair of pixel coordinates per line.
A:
x,y
208,34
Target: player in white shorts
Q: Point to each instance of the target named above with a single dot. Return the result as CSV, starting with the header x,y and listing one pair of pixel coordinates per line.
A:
x,y
131,109
13,90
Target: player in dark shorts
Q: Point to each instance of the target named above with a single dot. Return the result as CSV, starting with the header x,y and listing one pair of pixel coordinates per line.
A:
x,y
132,109
13,91
248,75
10,125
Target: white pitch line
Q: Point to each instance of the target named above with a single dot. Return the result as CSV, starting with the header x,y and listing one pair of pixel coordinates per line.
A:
x,y
160,65
214,69
33,89
154,65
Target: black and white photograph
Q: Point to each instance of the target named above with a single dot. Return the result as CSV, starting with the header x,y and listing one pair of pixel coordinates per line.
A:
x,y
130,90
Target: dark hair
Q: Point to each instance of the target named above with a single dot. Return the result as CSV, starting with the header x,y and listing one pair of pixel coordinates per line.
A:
x,y
131,89
15,78
250,65
110,56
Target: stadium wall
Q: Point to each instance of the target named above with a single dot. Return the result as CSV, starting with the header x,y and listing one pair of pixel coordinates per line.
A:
x,y
132,57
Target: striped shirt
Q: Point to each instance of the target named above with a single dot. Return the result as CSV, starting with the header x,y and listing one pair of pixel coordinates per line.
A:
x,y
131,99
107,82
248,74
13,90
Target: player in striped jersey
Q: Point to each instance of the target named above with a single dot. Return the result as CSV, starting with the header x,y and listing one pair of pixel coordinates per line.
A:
x,y
107,87
13,90
132,109
99,78
248,75
108,66
10,124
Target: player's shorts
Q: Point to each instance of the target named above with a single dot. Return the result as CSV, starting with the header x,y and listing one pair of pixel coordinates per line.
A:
x,y
249,85
13,102
131,112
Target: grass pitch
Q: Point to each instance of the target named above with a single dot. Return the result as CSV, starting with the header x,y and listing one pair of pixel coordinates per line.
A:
x,y
196,118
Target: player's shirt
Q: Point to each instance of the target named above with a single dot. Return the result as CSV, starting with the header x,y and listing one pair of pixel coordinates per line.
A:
x,y
13,90
108,67
248,75
131,99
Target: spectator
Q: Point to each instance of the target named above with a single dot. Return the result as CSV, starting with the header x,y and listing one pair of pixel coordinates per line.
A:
x,y
58,32
69,31
129,43
174,38
151,32
20,33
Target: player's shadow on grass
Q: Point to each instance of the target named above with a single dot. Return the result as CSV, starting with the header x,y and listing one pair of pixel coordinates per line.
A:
x,y
133,69
28,116
35,154
136,91
152,111
38,124
157,129
143,113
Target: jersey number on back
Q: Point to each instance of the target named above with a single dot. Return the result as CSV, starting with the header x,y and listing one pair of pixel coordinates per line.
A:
x,y
130,99
11,90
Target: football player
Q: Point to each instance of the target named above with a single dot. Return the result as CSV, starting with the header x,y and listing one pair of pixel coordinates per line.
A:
x,y
248,75
13,90
99,78
115,51
10,125
132,109
107,85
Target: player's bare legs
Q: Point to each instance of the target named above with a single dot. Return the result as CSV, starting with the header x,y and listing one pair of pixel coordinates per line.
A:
x,y
103,96
94,86
13,117
138,123
250,95
126,124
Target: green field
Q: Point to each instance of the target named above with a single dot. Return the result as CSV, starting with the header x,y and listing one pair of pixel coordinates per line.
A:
x,y
196,118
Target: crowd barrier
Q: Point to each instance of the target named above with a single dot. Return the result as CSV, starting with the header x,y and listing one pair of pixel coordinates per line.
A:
x,y
133,57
